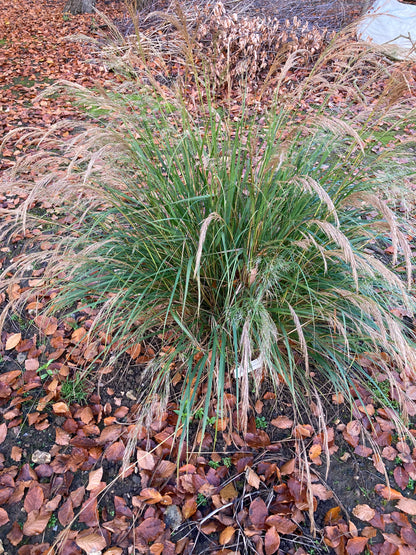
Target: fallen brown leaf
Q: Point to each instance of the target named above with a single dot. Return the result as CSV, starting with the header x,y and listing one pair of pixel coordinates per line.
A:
x,y
90,542
34,499
258,513
364,512
4,517
252,478
387,492
66,513
355,546
3,432
150,529
145,460
407,505
401,477
282,524
271,541
228,493
189,507
36,522
15,535
94,479
282,422
12,341
227,535
150,496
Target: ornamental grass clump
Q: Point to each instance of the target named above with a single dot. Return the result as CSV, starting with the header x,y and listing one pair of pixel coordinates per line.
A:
x,y
245,244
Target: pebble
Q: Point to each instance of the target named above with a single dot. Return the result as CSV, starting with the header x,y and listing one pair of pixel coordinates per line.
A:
x,y
173,517
130,395
41,457
1,548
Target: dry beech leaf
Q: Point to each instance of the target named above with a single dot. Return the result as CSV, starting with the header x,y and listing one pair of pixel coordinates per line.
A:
x,y
282,422
66,513
145,460
150,496
15,535
288,467
89,512
135,350
282,524
355,546
258,440
61,437
378,463
315,451
321,492
333,515
34,499
150,529
60,408
90,542
86,415
52,505
227,535
271,541
3,432
258,513
406,505
16,453
115,451
165,469
401,477
353,529
94,479
364,512
156,549
31,364
387,492
4,517
369,532
228,493
303,430
36,522
113,551
338,398
363,451
354,428
252,478
78,335
393,539
12,341
189,507
408,535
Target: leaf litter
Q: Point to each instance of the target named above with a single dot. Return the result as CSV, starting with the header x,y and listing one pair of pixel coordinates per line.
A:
x,y
247,493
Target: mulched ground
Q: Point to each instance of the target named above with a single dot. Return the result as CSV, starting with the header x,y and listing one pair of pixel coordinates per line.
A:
x,y
62,449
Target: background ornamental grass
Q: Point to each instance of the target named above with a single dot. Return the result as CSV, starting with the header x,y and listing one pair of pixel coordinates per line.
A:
x,y
245,241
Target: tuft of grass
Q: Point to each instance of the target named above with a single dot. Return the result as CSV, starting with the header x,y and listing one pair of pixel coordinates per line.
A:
x,y
244,240
75,390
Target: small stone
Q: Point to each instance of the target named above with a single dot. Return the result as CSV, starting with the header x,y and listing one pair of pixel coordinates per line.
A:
x,y
21,357
130,395
1,548
41,457
173,517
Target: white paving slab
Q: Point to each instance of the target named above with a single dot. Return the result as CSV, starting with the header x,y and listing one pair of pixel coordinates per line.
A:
x,y
392,24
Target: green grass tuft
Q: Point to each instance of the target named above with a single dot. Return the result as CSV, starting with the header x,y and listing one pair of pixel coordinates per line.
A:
x,y
239,240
